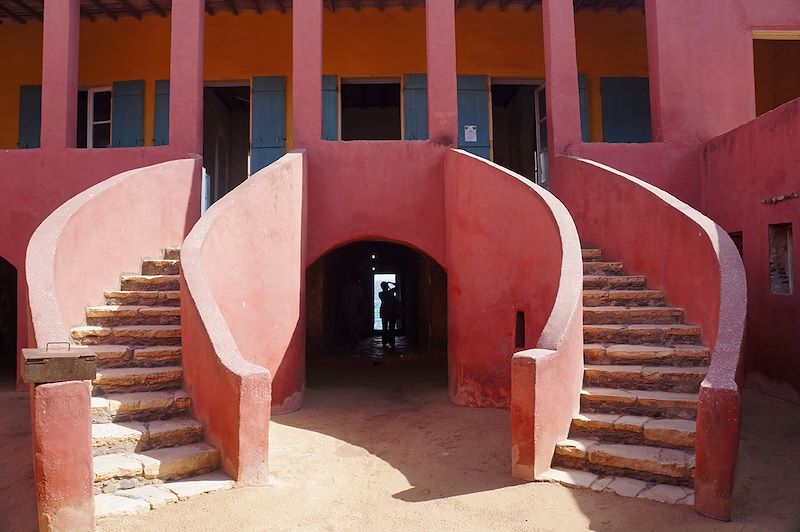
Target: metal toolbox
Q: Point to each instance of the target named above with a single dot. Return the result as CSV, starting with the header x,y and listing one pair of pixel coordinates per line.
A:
x,y
58,362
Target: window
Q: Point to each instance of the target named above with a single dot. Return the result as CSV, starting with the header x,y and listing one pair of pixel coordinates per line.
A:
x,y
780,259
371,109
98,119
738,242
626,109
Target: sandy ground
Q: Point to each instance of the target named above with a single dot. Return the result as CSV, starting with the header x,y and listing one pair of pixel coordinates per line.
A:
x,y
379,447
17,495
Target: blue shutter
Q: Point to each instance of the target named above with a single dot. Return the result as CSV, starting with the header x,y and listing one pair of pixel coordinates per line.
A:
x,y
626,109
161,128
30,115
415,89
330,108
583,96
127,113
268,136
473,110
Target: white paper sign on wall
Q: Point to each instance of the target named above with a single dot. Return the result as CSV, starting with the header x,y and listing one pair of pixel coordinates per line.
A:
x,y
470,133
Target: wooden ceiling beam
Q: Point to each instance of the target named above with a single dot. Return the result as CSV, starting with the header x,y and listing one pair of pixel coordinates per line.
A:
x,y
256,6
231,7
99,5
406,4
380,5
157,8
35,14
130,9
281,7
503,5
479,5
600,5
209,10
332,6
579,4
11,14
626,5
528,6
459,4
88,15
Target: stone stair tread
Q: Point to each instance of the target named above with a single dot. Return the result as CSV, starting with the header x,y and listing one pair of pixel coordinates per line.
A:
x,y
642,353
664,431
667,462
113,373
143,297
632,396
124,334
625,369
152,377
630,282
644,326
140,435
111,355
130,311
133,403
626,487
164,464
621,314
108,505
172,253
160,267
591,253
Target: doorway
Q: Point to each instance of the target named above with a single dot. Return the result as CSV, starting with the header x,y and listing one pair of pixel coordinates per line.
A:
x,y
8,320
371,109
226,139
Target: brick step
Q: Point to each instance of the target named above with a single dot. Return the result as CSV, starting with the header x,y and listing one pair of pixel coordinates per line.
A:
x,y
170,298
161,267
603,268
605,282
666,378
132,436
628,315
172,253
678,355
137,379
622,486
150,282
114,356
110,315
644,333
128,335
649,403
643,462
636,430
142,499
623,298
149,467
140,406
591,254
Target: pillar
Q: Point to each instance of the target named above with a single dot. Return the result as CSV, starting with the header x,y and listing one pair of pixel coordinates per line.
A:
x,y
440,28
561,75
60,49
307,73
186,75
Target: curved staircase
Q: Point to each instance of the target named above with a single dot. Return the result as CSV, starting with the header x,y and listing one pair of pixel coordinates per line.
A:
x,y
635,434
148,450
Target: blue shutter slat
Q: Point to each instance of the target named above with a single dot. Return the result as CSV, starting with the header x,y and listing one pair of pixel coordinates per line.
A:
x,y
30,115
330,108
127,113
415,88
583,95
268,135
161,125
473,109
626,109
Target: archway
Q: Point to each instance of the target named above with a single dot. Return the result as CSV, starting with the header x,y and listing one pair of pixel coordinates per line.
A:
x,y
344,325
8,320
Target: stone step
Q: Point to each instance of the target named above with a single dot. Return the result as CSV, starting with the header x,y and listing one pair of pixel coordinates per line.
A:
x,y
140,406
606,282
644,333
643,462
149,467
172,253
161,267
666,378
622,486
128,335
132,436
623,298
141,499
150,282
602,268
110,315
111,356
649,403
628,315
137,379
678,355
636,430
170,298
591,254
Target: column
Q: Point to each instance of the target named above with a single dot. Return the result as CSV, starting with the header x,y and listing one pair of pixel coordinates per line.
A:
x,y
186,75
440,26
306,73
60,48
561,75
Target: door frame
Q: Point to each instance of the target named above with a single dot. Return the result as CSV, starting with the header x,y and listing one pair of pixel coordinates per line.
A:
x,y
537,84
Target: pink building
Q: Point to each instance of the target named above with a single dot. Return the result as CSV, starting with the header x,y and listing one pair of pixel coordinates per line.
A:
x,y
471,149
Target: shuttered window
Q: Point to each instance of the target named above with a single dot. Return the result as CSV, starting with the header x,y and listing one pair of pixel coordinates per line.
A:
x,y
127,112
473,114
330,108
268,134
30,115
161,123
415,103
626,109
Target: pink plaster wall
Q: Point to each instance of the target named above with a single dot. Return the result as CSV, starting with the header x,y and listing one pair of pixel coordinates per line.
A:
x,y
694,261
756,161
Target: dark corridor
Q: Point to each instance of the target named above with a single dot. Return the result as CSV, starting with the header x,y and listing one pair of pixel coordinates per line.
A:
x,y
8,320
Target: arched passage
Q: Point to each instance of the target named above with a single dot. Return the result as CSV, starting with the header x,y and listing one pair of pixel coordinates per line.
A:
x,y
8,320
344,325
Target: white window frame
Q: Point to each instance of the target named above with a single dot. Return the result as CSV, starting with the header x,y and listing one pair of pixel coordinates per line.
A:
x,y
90,123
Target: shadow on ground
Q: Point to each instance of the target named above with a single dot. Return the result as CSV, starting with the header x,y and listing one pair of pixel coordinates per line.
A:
x,y
17,490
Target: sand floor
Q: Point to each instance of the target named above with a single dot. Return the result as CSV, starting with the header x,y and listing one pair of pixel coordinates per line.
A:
x,y
379,447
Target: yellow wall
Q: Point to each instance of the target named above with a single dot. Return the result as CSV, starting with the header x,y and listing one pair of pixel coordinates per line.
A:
x,y
777,73
369,42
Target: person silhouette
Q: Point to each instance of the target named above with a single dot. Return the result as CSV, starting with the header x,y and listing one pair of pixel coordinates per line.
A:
x,y
389,304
